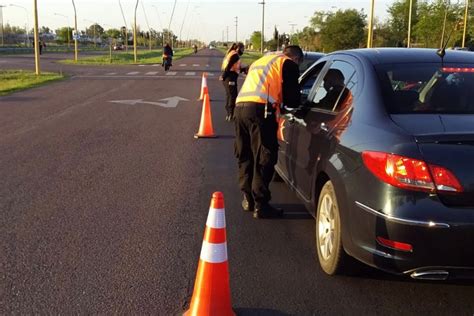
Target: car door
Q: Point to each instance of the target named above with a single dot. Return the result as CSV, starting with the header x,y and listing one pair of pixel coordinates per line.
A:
x,y
327,111
285,164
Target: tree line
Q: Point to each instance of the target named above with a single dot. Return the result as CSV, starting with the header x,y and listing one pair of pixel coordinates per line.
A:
x,y
345,29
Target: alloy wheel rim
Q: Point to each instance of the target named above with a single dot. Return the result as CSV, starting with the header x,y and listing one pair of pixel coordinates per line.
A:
x,y
326,227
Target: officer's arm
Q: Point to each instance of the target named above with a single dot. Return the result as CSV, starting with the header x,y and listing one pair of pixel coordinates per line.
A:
x,y
290,87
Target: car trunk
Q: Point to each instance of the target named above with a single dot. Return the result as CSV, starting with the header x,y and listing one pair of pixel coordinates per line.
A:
x,y
446,140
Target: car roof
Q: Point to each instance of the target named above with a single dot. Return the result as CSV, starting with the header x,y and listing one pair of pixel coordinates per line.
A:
x,y
408,55
313,55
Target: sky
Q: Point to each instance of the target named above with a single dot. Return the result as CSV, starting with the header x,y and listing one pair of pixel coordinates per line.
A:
x,y
192,19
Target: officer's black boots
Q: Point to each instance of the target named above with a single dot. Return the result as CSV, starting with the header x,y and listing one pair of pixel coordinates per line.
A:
x,y
267,211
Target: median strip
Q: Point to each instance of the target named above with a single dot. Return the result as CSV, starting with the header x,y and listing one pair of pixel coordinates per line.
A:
x,y
16,80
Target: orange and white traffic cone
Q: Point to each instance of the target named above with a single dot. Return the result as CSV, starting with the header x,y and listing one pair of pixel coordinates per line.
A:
x,y
211,294
204,88
205,128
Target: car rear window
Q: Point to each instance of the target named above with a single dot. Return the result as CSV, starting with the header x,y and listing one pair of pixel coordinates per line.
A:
x,y
427,88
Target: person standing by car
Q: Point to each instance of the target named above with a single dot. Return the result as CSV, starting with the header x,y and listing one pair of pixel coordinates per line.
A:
x,y
231,67
272,81
167,56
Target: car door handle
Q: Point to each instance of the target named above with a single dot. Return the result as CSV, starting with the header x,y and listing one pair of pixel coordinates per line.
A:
x,y
324,127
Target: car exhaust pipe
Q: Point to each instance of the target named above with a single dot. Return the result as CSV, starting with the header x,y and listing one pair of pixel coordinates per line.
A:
x,y
434,275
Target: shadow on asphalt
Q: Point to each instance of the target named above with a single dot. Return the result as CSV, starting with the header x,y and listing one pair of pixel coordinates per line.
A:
x,y
226,136
258,311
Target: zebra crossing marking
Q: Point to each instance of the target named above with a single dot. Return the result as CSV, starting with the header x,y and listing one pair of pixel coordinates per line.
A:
x,y
133,73
151,73
190,73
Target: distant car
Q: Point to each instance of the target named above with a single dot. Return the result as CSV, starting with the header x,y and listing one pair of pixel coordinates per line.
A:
x,y
118,47
212,47
380,152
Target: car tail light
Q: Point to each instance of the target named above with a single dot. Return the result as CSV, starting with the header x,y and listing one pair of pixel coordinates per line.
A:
x,y
408,173
394,244
457,69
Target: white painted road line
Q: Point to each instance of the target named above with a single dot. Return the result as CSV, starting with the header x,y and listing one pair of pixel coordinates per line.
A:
x,y
151,73
156,65
182,65
141,65
190,73
171,73
133,73
111,74
195,65
210,74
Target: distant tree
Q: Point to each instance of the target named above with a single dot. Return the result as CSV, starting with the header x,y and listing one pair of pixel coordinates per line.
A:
x,y
429,28
99,30
255,40
45,30
309,39
343,29
62,34
112,33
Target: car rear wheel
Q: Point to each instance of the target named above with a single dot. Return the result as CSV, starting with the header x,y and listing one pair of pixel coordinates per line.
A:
x,y
328,232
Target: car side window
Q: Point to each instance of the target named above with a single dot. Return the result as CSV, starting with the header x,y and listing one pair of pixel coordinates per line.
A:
x,y
307,82
335,92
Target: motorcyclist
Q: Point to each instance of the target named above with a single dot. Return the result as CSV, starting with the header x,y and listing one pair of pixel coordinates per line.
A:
x,y
195,48
167,55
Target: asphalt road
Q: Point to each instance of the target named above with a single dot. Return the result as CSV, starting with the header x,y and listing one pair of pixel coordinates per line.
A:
x,y
103,206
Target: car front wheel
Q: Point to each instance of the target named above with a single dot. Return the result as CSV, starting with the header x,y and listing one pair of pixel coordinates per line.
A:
x,y
328,232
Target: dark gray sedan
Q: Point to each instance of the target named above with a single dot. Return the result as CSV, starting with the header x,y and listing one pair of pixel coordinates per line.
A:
x,y
381,152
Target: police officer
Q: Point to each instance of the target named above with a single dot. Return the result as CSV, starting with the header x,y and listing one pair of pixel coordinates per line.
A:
x,y
231,67
272,81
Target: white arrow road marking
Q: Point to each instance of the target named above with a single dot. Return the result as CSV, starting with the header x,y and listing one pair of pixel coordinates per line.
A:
x,y
190,73
171,73
171,102
151,73
133,73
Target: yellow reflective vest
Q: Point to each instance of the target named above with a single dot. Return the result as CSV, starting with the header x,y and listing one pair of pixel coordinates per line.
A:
x,y
225,62
264,81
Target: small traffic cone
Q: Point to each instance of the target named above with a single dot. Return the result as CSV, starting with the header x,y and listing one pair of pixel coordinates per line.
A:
x,y
211,295
204,88
205,128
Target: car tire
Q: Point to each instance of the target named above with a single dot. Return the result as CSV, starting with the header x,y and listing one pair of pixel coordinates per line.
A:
x,y
331,253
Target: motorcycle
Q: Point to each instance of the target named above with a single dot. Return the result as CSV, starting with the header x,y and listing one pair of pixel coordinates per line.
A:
x,y
167,62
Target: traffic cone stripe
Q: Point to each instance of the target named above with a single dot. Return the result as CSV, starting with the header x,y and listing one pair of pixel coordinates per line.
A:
x,y
216,218
213,253
215,236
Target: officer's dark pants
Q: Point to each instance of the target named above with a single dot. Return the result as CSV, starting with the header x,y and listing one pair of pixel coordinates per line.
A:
x,y
230,87
256,150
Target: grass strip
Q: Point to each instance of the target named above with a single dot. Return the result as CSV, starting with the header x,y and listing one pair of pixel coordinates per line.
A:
x,y
15,80
127,58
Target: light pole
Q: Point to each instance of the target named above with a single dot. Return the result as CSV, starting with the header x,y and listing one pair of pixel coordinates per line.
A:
x,y
465,24
126,29
263,26
68,29
370,34
169,26
148,24
161,25
184,19
77,34
292,31
135,34
36,39
236,26
27,26
409,23
1,20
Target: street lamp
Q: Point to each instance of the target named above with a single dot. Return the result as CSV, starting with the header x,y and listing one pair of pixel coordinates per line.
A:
x,y
125,23
135,34
263,26
77,34
465,24
370,33
409,23
36,39
1,20
161,25
27,41
68,29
